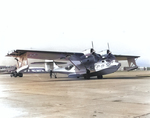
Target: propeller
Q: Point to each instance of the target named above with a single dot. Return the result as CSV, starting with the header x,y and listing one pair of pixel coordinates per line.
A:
x,y
92,45
108,50
108,46
92,49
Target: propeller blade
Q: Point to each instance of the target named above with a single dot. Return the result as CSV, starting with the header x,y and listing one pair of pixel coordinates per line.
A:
x,y
108,46
92,45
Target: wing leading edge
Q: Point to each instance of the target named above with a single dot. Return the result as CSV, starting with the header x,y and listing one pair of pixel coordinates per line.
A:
x,y
125,57
49,55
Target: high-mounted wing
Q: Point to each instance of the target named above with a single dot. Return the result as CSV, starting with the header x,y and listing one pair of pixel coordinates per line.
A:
x,y
49,55
125,57
22,56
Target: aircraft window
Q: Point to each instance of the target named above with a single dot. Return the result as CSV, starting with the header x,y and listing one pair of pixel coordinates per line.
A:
x,y
69,67
102,61
116,60
108,60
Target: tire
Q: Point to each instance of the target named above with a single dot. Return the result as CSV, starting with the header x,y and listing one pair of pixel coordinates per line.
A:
x,y
99,77
20,74
15,74
86,77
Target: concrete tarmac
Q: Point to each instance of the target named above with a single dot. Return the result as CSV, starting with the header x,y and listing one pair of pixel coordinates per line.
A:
x,y
118,95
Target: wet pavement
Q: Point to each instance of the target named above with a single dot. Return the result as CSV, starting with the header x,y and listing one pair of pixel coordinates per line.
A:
x,y
118,95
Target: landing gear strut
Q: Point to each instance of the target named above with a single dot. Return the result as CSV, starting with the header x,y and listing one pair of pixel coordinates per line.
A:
x,y
55,76
87,76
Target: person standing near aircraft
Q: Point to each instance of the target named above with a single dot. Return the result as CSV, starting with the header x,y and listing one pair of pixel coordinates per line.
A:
x,y
51,72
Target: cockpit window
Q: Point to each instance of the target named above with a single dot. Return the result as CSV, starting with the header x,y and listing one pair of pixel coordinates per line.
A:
x,y
110,56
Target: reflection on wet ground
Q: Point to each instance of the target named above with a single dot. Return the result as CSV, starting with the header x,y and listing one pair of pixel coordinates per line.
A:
x,y
118,95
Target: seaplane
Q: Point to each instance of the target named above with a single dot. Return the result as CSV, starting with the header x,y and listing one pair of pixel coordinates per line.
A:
x,y
85,64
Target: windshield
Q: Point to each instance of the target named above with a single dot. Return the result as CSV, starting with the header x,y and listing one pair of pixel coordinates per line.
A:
x,y
110,56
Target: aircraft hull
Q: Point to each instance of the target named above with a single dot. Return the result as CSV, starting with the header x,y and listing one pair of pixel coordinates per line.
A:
x,y
105,71
109,70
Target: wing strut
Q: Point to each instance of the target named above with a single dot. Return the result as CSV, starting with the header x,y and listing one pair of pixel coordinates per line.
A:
x,y
74,64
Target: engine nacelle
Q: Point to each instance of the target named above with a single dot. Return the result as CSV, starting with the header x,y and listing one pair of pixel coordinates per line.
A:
x,y
88,52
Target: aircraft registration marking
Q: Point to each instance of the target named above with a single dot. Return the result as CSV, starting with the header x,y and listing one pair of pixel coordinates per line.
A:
x,y
32,55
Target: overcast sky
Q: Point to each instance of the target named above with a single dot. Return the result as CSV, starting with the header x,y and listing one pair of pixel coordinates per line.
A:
x,y
71,25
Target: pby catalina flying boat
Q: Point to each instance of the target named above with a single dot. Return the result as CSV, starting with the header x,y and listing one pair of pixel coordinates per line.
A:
x,y
82,64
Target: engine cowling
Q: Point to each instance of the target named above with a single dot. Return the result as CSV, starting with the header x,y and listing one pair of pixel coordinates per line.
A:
x,y
88,52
